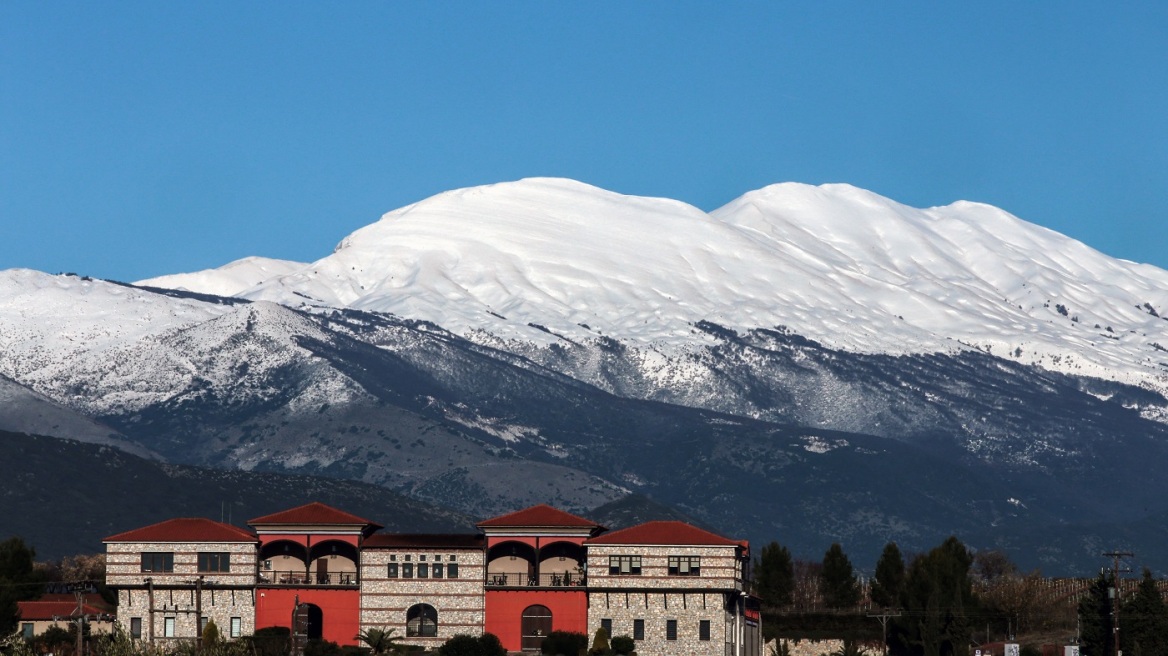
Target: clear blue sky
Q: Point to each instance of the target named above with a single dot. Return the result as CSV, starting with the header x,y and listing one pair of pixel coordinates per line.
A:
x,y
143,138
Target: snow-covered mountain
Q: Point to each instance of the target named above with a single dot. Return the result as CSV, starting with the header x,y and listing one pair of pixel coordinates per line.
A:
x,y
231,279
836,264
810,363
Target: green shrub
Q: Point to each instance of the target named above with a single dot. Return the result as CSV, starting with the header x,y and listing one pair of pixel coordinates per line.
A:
x,y
271,641
564,643
623,645
466,645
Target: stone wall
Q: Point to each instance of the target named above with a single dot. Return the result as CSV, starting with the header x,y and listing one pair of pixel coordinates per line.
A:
x,y
720,569
807,647
123,563
655,608
218,604
459,602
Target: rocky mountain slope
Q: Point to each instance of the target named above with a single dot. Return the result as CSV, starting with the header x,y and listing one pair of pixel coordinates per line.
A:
x,y
83,493
808,364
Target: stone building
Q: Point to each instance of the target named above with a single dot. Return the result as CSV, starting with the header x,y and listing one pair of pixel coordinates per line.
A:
x,y
325,573
173,577
428,588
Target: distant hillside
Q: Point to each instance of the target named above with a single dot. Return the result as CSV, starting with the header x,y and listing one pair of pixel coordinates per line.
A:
x,y
637,508
63,497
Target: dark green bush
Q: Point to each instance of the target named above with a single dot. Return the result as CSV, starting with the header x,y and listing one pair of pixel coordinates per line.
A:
x,y
623,645
564,643
466,645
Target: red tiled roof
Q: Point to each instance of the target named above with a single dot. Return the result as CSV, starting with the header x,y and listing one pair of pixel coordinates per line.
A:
x,y
541,516
425,541
314,513
47,609
186,529
665,532
91,598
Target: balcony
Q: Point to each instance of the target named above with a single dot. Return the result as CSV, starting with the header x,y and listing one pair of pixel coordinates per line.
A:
x,y
301,579
520,580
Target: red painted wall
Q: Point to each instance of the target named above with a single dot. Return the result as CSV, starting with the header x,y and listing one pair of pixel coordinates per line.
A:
x,y
504,611
341,610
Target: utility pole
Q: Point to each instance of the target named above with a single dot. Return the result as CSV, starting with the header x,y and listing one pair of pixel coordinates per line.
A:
x,y
80,622
884,616
199,614
1115,572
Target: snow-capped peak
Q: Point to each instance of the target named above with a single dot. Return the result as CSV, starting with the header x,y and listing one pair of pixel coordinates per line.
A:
x,y
228,280
836,263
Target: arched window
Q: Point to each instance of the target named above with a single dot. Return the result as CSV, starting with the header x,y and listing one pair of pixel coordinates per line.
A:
x,y
421,621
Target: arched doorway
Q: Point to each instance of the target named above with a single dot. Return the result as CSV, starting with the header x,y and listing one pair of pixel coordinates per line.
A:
x,y
308,621
536,624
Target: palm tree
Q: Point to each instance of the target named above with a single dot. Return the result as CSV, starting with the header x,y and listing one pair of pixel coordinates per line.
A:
x,y
379,641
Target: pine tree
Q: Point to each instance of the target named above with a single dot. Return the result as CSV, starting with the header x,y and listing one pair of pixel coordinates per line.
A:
x,y
774,576
840,588
888,583
18,580
1144,620
939,600
1095,634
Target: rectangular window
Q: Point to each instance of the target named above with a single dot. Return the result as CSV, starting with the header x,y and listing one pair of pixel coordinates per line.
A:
x,y
202,625
437,557
407,570
452,558
423,571
606,624
214,561
392,573
168,627
685,566
630,565
26,631
704,630
671,629
437,569
452,570
236,627
136,628
638,629
422,558
393,557
157,561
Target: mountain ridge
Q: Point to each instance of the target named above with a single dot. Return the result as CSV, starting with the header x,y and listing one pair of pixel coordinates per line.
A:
x,y
754,368
540,260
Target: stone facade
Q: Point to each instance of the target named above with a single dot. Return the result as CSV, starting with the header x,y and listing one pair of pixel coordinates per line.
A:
x,y
719,567
162,605
655,609
174,615
689,599
124,564
459,603
674,588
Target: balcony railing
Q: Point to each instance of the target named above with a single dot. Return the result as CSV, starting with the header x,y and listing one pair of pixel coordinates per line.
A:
x,y
277,577
519,580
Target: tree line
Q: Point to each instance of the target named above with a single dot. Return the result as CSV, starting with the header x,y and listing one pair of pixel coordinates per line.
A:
x,y
943,601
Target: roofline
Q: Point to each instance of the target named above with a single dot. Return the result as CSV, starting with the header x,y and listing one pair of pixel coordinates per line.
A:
x,y
657,544
109,541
